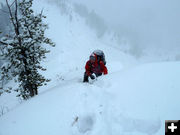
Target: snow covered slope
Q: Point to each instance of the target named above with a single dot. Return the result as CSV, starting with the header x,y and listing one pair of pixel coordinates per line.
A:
x,y
135,101
130,100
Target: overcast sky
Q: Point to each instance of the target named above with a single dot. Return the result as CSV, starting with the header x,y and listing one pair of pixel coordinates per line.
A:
x,y
152,22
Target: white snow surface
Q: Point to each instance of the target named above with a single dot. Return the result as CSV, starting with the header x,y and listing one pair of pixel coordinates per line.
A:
x,y
133,99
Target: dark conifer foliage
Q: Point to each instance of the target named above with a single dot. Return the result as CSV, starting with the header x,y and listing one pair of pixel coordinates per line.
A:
x,y
24,48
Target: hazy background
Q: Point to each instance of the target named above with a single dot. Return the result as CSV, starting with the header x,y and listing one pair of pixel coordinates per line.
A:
x,y
140,27
145,23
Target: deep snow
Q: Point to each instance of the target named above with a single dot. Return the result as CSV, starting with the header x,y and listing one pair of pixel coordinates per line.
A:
x,y
135,101
132,99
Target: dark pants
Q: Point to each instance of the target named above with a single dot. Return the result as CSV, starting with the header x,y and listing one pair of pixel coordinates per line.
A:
x,y
86,77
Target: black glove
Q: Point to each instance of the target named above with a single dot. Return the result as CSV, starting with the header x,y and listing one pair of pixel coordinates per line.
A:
x,y
92,77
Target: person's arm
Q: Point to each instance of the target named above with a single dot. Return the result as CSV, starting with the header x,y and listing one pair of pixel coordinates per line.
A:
x,y
104,68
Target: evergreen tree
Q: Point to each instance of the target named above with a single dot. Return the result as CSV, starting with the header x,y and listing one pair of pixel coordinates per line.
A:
x,y
24,49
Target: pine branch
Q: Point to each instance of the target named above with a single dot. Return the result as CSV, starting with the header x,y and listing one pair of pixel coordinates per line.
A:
x,y
27,26
3,43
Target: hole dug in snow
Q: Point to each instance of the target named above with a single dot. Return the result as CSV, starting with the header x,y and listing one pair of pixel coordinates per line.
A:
x,y
85,123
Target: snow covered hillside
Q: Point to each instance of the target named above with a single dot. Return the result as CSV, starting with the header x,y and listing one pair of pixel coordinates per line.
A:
x,y
132,99
136,101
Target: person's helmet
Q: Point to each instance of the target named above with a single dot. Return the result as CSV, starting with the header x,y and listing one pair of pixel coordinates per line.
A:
x,y
100,56
92,57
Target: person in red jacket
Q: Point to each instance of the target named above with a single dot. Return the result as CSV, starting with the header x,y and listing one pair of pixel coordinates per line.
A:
x,y
94,66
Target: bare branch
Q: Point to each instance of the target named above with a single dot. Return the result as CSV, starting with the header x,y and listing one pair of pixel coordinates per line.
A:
x,y
15,14
12,3
10,12
17,23
14,22
41,13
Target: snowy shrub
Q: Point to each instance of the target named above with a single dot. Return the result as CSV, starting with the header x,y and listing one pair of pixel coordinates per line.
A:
x,y
24,49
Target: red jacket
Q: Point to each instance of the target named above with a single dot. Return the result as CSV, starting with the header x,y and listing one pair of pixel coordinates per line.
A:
x,y
95,67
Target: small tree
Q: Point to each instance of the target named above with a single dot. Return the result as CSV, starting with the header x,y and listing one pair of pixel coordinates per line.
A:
x,y
24,49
